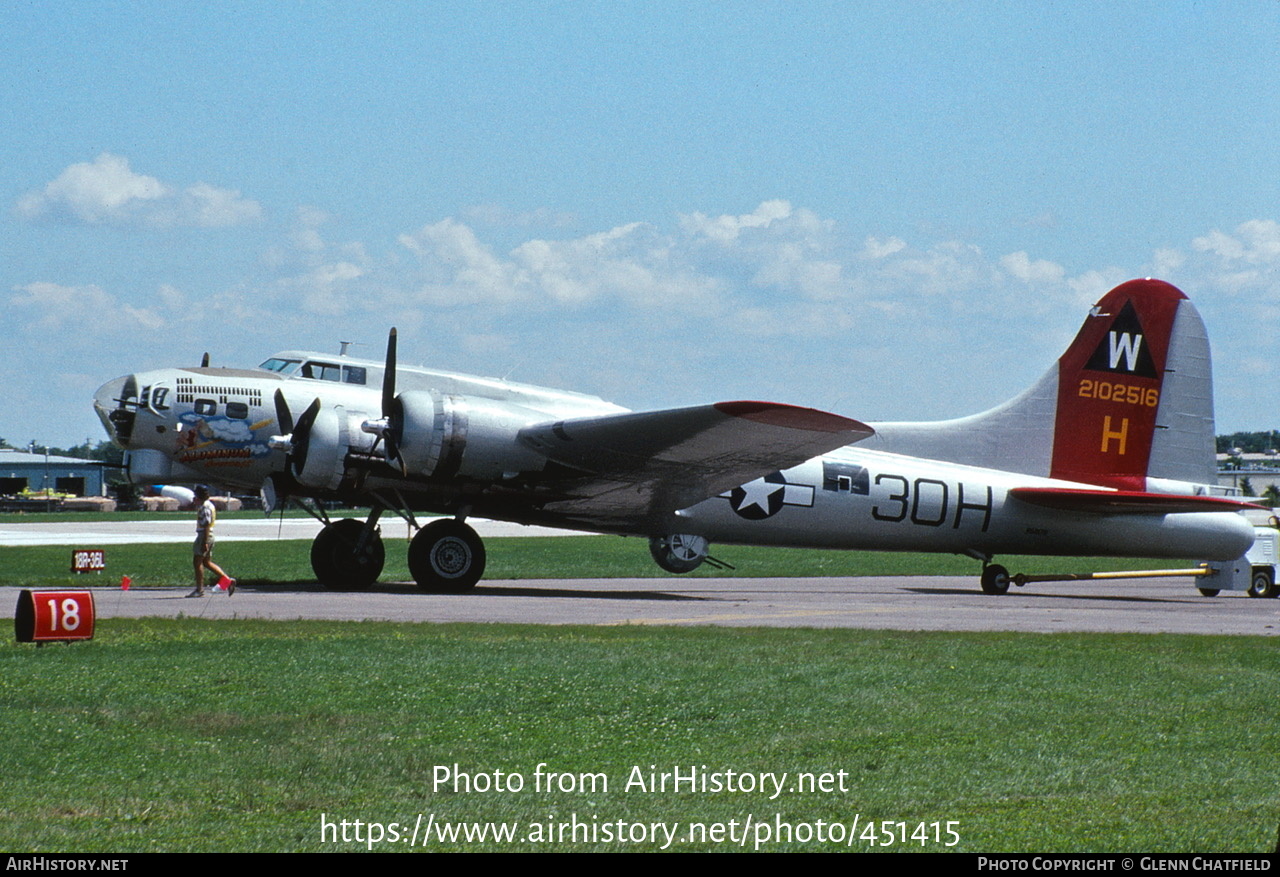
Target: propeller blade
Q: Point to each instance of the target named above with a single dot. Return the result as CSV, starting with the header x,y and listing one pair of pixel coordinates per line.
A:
x,y
389,375
302,435
284,419
390,410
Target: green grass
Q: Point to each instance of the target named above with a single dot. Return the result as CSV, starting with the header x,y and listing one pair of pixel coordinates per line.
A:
x,y
195,735
288,562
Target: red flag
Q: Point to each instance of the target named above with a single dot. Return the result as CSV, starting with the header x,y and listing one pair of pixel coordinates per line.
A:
x,y
125,582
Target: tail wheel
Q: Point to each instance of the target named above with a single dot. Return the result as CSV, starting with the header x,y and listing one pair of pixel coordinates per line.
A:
x,y
446,555
1263,584
995,579
340,562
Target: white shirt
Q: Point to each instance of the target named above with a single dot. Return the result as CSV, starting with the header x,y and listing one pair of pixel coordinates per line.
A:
x,y
206,517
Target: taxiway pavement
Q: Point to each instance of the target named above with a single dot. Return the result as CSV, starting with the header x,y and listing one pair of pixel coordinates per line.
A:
x,y
1169,605
888,603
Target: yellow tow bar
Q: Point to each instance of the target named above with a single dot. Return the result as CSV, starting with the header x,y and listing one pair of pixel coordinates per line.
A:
x,y
1199,572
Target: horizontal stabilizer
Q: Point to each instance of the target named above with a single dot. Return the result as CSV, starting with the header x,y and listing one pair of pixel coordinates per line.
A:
x,y
681,456
1125,501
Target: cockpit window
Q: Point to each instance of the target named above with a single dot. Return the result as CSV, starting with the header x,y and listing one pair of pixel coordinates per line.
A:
x,y
321,371
318,371
283,366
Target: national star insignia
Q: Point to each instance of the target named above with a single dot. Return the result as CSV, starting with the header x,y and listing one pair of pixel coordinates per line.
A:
x,y
765,497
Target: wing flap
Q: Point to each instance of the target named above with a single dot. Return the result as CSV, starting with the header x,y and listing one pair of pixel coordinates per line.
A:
x,y
1125,501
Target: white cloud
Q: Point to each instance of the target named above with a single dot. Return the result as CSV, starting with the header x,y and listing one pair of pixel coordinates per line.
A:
x,y
776,302
777,270
1246,261
106,191
875,248
326,278
631,263
1021,267
792,267
325,288
1166,262
87,309
1222,245
210,207
948,267
1093,285
55,306
455,268
726,229
1256,242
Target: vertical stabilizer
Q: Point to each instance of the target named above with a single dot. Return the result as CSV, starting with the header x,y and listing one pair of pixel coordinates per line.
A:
x,y
1131,398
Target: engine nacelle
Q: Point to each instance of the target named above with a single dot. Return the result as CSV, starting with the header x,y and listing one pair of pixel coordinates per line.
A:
x,y
446,436
336,432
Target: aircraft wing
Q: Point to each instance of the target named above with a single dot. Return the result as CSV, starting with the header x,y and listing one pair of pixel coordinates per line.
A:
x,y
660,461
1122,501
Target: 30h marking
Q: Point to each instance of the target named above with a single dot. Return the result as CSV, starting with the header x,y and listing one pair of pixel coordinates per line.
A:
x,y
928,502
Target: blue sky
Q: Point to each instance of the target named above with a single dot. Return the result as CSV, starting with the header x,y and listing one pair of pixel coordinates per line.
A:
x,y
893,211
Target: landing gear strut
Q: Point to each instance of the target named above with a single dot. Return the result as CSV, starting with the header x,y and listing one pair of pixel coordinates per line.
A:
x,y
446,555
343,556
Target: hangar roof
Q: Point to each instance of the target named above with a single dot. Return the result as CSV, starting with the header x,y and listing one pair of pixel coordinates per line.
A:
x,y
15,457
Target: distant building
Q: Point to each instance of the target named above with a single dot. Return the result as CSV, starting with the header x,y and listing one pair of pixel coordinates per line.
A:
x,y
20,470
1261,470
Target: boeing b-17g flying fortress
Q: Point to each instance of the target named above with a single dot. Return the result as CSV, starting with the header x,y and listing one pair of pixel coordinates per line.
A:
x,y
1110,453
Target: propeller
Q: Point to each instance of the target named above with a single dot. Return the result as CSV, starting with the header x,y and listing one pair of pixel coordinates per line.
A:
x,y
294,437
279,485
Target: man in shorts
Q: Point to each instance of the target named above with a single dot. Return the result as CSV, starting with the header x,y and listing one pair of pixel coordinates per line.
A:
x,y
202,550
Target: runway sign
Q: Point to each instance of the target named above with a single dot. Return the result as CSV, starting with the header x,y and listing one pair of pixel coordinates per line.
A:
x,y
88,560
53,616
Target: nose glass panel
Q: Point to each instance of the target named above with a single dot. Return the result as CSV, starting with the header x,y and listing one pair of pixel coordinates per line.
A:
x,y
116,403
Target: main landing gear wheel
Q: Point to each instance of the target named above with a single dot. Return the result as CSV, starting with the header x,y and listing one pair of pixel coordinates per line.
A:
x,y
1262,585
338,561
679,552
995,579
446,555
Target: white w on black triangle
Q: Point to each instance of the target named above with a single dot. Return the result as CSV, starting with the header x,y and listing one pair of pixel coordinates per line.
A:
x,y
1124,348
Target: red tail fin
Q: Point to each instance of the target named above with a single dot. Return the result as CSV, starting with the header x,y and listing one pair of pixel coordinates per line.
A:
x,y
1110,382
